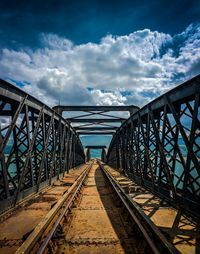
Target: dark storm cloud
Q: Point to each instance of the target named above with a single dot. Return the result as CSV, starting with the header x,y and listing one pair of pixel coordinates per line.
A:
x,y
82,21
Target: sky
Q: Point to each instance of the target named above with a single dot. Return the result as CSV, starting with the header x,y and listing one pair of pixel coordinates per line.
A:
x,y
99,52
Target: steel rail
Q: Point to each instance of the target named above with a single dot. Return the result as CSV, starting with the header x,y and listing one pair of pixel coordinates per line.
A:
x,y
40,229
146,226
67,207
27,199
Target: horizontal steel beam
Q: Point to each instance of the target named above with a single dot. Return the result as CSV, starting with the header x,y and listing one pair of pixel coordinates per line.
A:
x,y
96,133
6,113
95,108
97,120
95,128
95,147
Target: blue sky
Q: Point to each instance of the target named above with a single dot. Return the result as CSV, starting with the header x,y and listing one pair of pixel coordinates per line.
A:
x,y
88,21
99,52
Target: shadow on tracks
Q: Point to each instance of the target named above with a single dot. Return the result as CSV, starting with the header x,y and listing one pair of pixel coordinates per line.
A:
x,y
115,213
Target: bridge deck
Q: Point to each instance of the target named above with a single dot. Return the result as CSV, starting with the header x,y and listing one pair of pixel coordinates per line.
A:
x,y
18,223
97,224
182,230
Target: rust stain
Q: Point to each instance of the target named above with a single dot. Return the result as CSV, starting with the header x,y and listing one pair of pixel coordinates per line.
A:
x,y
15,228
97,225
180,229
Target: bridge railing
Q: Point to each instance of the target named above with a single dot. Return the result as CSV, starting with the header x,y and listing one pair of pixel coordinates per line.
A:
x,y
159,146
36,145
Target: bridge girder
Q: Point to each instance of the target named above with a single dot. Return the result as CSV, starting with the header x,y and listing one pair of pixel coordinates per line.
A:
x,y
101,122
159,146
37,145
102,148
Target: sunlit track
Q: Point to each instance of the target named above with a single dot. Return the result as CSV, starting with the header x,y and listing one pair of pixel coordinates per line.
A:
x,y
181,229
156,149
17,223
95,217
144,231
36,241
97,225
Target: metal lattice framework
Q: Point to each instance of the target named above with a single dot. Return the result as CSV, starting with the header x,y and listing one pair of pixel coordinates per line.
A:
x,y
104,124
159,146
36,145
103,152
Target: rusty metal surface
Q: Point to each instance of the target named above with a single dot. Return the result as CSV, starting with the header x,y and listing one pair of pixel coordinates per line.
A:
x,y
179,228
97,224
15,226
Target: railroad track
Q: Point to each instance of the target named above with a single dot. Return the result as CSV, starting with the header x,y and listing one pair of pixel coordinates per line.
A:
x,y
17,223
40,238
96,216
153,240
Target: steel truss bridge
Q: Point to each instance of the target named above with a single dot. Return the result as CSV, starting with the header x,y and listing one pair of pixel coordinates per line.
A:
x,y
158,146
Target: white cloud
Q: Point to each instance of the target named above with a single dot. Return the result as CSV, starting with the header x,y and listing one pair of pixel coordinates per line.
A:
x,y
144,63
108,98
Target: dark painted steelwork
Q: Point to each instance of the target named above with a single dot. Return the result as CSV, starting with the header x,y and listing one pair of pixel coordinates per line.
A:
x,y
95,147
104,114
103,155
95,128
130,108
103,152
159,146
96,133
96,120
36,145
